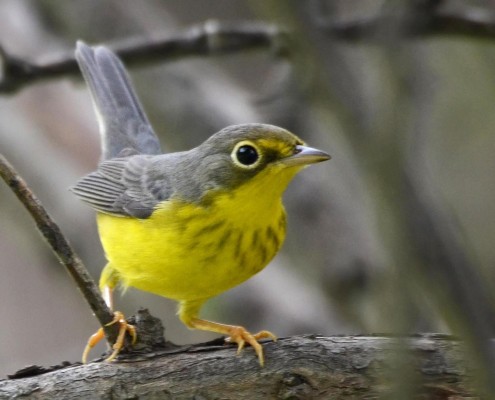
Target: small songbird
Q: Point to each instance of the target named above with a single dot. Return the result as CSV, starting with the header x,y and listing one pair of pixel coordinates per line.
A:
x,y
187,225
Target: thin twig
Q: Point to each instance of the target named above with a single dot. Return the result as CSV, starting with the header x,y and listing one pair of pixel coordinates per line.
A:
x,y
210,38
429,21
214,38
60,246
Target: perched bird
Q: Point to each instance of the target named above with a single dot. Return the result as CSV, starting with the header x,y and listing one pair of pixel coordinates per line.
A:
x,y
187,225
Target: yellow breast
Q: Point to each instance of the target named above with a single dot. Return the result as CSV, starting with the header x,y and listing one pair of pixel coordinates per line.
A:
x,y
188,251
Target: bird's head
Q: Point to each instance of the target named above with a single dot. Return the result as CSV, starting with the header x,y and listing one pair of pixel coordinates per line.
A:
x,y
252,156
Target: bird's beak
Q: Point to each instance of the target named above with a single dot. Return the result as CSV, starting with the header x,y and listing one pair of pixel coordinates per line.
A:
x,y
304,156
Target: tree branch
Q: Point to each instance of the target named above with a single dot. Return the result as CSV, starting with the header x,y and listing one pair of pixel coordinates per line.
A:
x,y
302,367
60,246
209,39
213,38
426,18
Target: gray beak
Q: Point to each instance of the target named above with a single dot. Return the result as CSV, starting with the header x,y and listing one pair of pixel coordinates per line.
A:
x,y
305,155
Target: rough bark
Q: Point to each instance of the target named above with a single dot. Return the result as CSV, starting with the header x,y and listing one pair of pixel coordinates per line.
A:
x,y
302,367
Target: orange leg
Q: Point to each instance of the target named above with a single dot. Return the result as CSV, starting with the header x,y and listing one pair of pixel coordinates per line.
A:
x,y
188,312
100,334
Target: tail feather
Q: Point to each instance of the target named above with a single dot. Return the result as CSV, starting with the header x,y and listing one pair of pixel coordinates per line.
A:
x,y
124,127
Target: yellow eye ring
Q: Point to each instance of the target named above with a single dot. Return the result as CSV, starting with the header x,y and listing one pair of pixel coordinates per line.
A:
x,y
246,155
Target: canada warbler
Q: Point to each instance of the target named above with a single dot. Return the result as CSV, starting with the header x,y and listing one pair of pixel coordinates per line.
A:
x,y
186,225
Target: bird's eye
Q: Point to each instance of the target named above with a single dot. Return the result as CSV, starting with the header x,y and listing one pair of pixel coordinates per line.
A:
x,y
246,155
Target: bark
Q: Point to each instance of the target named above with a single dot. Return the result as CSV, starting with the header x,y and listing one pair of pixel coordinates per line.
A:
x,y
301,367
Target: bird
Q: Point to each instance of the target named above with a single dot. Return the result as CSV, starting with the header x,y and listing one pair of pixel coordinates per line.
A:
x,y
186,225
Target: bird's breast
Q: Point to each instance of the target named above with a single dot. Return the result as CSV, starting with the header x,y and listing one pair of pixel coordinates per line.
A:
x,y
185,251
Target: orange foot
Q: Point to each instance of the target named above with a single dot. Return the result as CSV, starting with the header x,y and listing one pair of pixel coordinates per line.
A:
x,y
236,334
119,343
241,336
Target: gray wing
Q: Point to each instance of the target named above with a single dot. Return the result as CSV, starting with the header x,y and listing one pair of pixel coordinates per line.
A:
x,y
124,127
130,186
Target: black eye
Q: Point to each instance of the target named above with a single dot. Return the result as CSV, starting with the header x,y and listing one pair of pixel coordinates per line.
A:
x,y
247,155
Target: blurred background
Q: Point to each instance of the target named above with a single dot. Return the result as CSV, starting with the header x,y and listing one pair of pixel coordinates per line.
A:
x,y
393,235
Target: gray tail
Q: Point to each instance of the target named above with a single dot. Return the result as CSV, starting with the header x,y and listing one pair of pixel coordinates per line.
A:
x,y
124,127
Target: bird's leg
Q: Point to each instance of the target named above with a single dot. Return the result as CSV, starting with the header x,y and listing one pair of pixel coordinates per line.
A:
x,y
107,294
188,313
124,327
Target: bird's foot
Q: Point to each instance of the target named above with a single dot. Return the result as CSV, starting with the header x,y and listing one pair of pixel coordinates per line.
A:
x,y
124,327
241,336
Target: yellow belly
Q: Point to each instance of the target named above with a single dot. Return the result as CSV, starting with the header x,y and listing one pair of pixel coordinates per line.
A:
x,y
189,252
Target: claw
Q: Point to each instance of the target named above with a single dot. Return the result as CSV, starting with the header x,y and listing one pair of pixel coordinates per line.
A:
x,y
93,340
241,336
119,343
188,312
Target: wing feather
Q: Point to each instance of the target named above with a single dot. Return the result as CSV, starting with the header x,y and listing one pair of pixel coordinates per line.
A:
x,y
123,187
